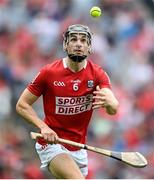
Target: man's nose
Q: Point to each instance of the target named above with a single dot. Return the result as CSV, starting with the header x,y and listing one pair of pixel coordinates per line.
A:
x,y
78,43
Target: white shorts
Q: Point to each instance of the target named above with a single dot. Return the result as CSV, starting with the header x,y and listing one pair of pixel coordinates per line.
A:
x,y
48,152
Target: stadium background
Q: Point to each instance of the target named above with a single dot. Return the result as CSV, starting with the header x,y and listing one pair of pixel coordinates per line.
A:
x,y
31,36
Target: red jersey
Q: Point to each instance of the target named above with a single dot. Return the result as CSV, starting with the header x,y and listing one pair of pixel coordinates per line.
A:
x,y
68,97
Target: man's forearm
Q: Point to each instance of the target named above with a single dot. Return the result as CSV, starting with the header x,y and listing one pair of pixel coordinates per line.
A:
x,y
27,112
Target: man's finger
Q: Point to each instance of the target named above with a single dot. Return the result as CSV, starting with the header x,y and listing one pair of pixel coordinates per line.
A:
x,y
56,139
98,88
96,106
99,97
102,104
45,136
99,93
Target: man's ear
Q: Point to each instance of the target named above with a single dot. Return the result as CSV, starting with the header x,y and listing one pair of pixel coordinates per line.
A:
x,y
89,50
64,46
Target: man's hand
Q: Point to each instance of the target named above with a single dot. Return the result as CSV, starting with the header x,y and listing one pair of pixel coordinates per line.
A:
x,y
106,99
49,135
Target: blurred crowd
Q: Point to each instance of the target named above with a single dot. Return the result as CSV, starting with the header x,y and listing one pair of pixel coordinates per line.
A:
x,y
31,36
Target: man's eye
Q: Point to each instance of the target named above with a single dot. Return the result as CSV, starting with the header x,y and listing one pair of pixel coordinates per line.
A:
x,y
73,39
84,40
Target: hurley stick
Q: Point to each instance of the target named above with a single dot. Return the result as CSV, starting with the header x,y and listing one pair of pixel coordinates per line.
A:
x,y
134,159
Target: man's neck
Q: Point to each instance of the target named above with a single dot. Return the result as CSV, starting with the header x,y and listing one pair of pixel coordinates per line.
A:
x,y
75,66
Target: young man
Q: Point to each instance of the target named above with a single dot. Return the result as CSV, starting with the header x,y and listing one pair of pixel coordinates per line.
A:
x,y
71,88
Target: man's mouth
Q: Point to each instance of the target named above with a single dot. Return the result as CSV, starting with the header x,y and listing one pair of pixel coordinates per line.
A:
x,y
78,51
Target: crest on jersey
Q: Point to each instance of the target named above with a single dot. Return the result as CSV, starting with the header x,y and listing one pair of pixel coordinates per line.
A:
x,y
90,83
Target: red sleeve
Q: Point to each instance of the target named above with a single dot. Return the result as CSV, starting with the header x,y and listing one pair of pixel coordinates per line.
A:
x,y
37,86
103,79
